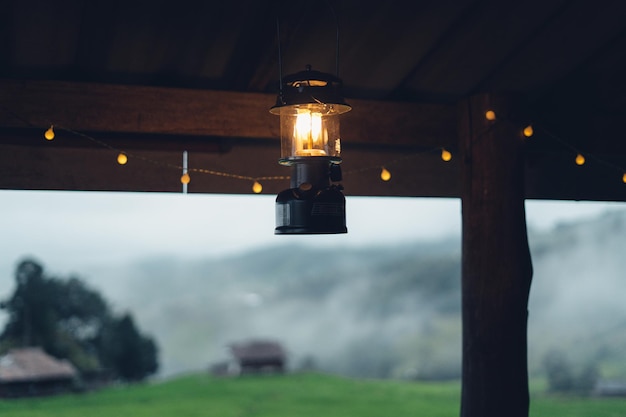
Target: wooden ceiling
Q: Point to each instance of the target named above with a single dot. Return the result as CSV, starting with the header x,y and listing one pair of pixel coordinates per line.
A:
x,y
155,78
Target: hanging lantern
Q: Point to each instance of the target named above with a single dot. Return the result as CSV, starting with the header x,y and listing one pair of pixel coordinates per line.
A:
x,y
309,105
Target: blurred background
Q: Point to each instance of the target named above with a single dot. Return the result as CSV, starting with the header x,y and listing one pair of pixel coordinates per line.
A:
x,y
199,272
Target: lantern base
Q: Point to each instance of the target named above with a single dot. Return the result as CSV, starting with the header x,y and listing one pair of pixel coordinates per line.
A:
x,y
311,211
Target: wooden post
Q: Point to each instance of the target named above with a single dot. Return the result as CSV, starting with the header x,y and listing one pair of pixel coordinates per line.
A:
x,y
496,264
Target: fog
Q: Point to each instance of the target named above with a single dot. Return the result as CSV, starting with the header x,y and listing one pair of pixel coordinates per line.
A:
x,y
348,315
382,301
576,303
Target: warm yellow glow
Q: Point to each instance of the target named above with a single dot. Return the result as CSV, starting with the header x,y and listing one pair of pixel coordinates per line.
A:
x,y
309,134
490,115
257,187
385,175
185,179
122,158
528,131
445,155
580,160
49,135
624,178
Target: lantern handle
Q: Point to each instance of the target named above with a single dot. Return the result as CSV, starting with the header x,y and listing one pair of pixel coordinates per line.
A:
x,y
332,10
280,59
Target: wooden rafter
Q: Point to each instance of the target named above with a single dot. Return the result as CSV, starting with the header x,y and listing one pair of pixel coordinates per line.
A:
x,y
169,111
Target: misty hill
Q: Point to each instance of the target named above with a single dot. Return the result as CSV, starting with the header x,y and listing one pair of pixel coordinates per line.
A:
x,y
577,298
391,311
356,312
379,311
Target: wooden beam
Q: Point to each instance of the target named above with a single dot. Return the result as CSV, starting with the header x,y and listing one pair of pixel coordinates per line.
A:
x,y
496,264
135,109
148,119
169,111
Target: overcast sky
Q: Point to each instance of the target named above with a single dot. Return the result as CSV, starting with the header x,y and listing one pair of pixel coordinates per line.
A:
x,y
67,231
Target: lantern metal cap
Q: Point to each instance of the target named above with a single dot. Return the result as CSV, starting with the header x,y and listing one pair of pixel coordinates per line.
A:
x,y
310,87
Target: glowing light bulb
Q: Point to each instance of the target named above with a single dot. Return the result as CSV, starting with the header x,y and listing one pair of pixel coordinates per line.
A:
x,y
385,175
445,155
624,178
309,134
257,187
49,135
580,160
528,131
490,115
185,179
122,159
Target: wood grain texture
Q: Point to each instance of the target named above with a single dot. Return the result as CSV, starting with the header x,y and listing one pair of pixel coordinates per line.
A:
x,y
496,264
170,111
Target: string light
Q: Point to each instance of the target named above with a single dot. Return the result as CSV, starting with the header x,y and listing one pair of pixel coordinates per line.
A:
x,y
122,159
528,131
385,175
257,188
49,135
580,160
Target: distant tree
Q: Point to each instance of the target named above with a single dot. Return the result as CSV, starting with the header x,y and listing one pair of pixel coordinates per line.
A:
x,y
562,376
558,371
69,320
125,349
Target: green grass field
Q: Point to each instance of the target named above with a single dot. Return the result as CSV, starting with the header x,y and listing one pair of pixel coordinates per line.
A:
x,y
298,395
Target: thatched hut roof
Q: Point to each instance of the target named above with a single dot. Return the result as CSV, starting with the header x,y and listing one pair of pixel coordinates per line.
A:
x,y
33,364
258,351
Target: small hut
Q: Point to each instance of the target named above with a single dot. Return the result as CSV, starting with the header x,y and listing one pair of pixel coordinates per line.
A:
x,y
31,372
259,356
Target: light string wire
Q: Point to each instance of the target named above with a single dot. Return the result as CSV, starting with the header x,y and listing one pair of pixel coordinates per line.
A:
x,y
396,160
579,153
352,171
587,155
223,174
171,165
